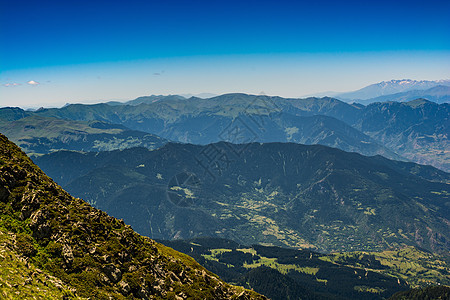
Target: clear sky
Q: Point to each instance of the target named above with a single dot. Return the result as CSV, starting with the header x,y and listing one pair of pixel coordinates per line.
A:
x,y
53,52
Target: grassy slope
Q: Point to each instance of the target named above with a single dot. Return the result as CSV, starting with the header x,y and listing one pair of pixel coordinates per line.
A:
x,y
418,268
434,292
97,255
21,280
39,135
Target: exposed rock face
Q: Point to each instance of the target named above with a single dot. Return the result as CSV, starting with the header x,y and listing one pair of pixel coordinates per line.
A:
x,y
67,254
113,273
124,288
96,254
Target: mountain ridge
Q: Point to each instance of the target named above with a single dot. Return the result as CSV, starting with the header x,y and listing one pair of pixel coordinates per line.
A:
x,y
421,134
391,87
297,195
439,94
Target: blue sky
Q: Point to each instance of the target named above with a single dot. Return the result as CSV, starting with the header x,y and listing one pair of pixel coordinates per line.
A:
x,y
54,52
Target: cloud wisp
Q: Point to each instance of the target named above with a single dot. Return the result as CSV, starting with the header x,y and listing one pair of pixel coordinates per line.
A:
x,y
32,82
12,84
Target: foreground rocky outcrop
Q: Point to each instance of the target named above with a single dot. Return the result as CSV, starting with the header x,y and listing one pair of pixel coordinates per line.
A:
x,y
96,255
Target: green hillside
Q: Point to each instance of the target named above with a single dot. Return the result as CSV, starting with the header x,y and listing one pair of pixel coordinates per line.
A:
x,y
434,292
92,254
281,273
40,135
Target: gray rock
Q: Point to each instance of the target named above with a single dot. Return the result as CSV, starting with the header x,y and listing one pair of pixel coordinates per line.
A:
x,y
113,273
124,287
67,254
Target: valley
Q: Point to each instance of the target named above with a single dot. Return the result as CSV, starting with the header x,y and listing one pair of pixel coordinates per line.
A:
x,y
311,275
273,194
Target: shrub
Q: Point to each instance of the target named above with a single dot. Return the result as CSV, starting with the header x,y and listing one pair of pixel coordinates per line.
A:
x,y
24,244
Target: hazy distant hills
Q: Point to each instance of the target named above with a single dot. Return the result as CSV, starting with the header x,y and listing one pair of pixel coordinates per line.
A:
x,y
438,94
241,118
416,130
39,135
385,88
280,194
203,121
8,114
151,99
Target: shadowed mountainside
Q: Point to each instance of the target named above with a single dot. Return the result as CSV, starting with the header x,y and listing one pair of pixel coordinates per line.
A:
x,y
281,194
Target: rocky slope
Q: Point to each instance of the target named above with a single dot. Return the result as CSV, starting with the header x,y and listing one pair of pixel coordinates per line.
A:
x,y
96,255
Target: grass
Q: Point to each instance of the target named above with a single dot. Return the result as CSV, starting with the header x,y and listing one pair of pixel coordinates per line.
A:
x,y
416,267
21,280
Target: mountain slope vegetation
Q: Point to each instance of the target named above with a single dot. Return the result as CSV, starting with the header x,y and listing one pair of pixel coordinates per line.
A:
x,y
433,292
95,255
281,273
40,135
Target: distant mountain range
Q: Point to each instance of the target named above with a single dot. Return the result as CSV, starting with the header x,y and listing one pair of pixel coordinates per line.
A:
x,y
415,130
393,90
418,129
154,98
147,100
201,95
385,88
203,121
282,194
438,94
